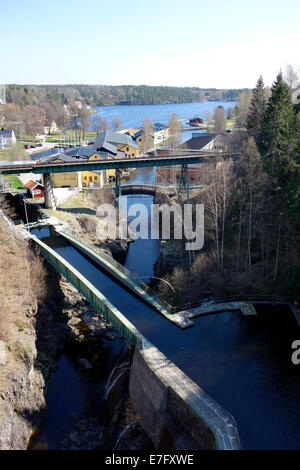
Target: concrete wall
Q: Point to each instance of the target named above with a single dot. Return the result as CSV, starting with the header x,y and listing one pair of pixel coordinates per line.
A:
x,y
173,410
61,195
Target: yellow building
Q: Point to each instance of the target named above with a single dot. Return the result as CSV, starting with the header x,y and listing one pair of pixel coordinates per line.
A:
x,y
97,178
121,142
79,178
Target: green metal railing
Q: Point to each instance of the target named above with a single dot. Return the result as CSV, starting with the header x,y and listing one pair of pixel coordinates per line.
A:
x,y
93,295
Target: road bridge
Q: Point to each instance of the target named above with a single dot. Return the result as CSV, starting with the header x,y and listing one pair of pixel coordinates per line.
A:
x,y
41,167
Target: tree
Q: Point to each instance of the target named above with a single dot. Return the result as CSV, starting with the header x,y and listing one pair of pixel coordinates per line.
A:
x,y
116,123
34,120
242,109
218,197
291,76
278,133
174,132
85,120
219,119
148,128
97,123
256,111
251,184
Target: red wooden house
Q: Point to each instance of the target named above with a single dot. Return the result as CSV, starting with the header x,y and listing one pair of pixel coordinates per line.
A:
x,y
34,189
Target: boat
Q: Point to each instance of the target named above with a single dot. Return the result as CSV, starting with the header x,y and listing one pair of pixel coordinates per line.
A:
x,y
196,121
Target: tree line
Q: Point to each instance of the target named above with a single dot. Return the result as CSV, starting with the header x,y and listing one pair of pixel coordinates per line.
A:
x,y
101,95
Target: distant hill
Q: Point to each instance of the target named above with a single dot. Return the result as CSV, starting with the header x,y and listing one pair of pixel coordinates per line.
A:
x,y
101,95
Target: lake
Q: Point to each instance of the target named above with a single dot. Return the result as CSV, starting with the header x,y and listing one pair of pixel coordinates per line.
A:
x,y
133,116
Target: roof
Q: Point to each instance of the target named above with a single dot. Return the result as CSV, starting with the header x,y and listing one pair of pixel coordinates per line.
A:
x,y
118,138
101,143
159,127
64,158
138,133
197,143
80,152
32,184
6,133
46,153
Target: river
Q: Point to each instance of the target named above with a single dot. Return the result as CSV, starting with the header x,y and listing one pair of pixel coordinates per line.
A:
x,y
244,363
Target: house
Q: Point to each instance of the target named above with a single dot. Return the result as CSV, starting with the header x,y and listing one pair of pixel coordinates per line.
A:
x,y
199,141
50,129
7,138
34,189
123,143
207,142
160,133
79,178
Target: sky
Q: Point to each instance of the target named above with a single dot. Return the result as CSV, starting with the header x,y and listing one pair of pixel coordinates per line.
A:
x,y
217,44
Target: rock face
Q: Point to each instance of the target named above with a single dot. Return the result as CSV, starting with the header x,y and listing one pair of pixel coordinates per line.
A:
x,y
170,257
118,249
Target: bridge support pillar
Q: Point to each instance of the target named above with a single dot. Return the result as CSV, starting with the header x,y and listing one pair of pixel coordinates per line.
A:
x,y
184,181
118,187
48,192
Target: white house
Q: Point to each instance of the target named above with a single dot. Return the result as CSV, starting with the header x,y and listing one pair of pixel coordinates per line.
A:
x,y
7,138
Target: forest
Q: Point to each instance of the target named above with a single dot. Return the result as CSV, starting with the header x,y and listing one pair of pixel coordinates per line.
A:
x,y
252,211
101,95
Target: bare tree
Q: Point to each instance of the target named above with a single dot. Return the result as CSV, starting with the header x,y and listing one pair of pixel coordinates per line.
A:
x,y
104,126
97,123
243,108
218,197
174,132
116,123
148,128
85,120
34,120
219,119
290,76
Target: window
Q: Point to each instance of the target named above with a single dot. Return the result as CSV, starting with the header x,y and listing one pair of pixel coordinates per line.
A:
x,y
127,149
95,178
85,177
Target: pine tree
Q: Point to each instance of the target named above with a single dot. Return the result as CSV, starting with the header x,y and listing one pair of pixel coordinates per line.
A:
x,y
256,111
278,134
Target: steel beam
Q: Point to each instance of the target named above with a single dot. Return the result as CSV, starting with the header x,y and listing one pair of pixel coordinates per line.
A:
x,y
184,181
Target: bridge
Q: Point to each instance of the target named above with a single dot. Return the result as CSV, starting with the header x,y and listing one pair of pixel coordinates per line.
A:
x,y
150,190
41,167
